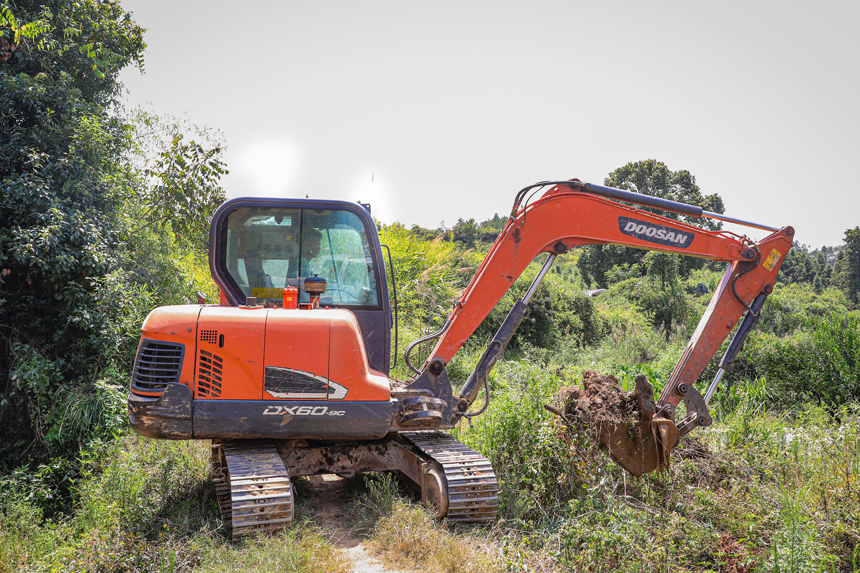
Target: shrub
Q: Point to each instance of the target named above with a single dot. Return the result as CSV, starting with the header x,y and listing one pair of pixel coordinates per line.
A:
x,y
557,312
790,306
429,274
820,362
518,435
666,309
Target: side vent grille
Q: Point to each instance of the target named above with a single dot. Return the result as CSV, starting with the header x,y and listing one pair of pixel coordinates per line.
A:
x,y
209,368
157,364
209,336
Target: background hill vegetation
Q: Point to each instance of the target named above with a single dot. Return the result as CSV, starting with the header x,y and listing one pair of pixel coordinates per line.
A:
x,y
103,216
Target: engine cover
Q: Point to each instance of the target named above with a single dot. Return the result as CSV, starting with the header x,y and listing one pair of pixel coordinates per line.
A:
x,y
256,372
276,354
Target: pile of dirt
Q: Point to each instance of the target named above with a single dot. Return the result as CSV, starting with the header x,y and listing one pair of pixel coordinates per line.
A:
x,y
601,401
624,423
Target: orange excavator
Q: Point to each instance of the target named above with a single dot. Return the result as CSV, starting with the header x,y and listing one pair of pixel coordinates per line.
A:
x,y
288,373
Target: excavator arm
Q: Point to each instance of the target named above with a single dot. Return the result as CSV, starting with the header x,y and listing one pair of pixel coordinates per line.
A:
x,y
573,213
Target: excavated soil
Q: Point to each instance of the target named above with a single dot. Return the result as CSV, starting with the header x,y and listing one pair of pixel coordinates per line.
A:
x,y
601,406
600,400
624,423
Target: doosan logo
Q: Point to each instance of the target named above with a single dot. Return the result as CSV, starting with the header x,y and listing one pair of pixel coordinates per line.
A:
x,y
655,233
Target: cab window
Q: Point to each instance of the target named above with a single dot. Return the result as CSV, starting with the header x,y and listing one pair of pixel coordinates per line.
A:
x,y
268,248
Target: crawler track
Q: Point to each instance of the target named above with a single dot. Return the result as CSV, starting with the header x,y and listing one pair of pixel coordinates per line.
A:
x,y
473,492
252,485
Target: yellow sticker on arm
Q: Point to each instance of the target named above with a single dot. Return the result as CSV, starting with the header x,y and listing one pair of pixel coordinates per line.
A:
x,y
772,259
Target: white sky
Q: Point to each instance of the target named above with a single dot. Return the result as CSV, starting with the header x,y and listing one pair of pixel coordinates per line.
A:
x,y
434,111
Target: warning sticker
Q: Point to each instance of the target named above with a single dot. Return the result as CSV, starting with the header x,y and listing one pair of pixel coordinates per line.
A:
x,y
260,292
771,260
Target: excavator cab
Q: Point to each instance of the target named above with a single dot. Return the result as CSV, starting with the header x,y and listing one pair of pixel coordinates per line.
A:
x,y
260,246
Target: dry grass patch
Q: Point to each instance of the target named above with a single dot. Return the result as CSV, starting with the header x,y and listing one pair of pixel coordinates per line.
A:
x,y
410,537
300,548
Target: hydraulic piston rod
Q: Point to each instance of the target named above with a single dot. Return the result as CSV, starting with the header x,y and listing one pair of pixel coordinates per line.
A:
x,y
749,322
664,204
503,336
539,278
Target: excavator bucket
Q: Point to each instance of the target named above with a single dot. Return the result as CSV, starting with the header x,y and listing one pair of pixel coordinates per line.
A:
x,y
640,447
624,423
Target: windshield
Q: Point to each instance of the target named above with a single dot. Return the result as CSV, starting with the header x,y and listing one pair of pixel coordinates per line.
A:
x,y
268,248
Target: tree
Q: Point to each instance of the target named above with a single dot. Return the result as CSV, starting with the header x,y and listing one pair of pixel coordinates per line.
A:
x,y
819,263
663,298
663,268
827,276
61,175
817,284
846,271
100,218
15,35
496,224
596,264
465,232
173,190
798,266
655,179
182,177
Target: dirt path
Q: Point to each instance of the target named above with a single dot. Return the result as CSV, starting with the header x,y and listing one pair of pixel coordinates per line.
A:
x,y
328,496
363,562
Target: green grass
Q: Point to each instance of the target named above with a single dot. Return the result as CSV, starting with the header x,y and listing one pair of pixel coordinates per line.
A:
x,y
149,506
766,487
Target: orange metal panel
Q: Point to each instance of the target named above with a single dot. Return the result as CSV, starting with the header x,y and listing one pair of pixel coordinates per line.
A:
x,y
175,324
348,364
298,340
324,343
241,356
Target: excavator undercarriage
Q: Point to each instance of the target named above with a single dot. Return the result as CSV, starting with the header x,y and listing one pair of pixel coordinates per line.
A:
x,y
252,478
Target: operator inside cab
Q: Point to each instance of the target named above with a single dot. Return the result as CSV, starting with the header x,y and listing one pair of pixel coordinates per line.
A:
x,y
311,244
270,248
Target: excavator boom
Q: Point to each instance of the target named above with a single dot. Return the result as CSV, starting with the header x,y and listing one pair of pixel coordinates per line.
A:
x,y
571,214
559,221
